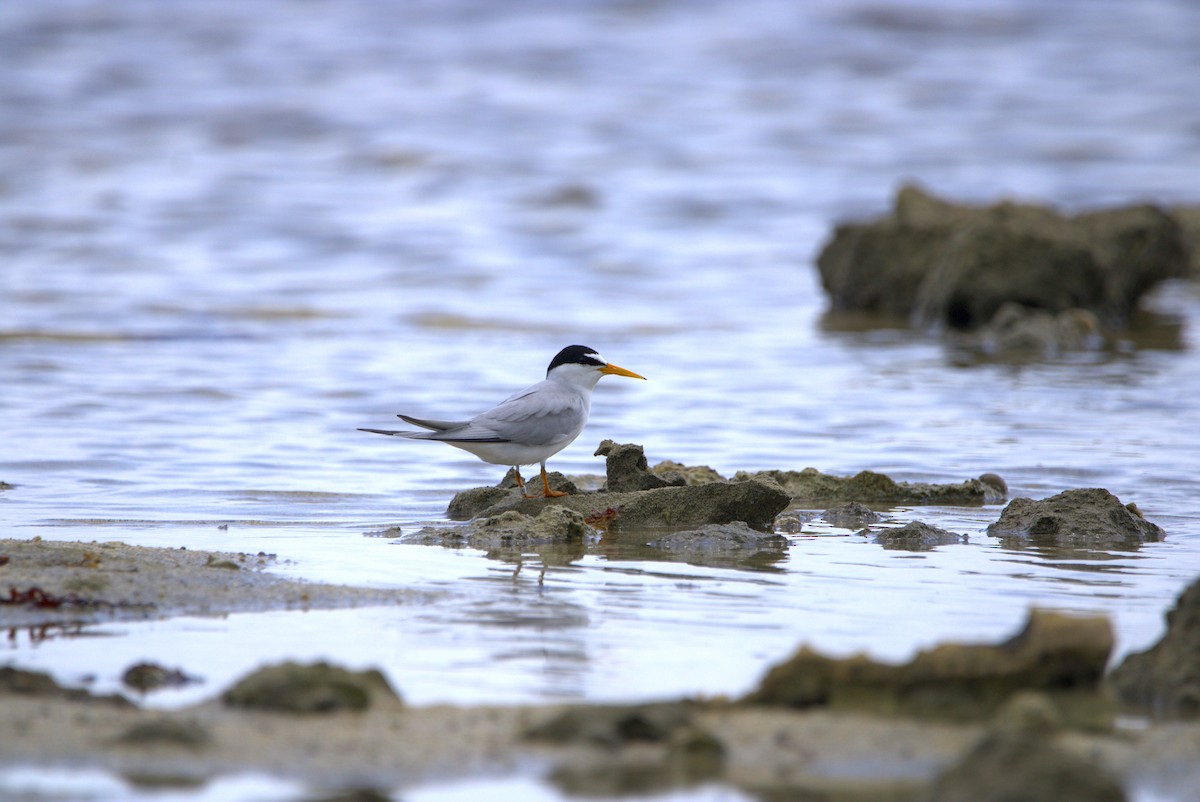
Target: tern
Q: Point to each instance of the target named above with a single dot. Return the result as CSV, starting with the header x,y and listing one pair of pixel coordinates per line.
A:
x,y
531,426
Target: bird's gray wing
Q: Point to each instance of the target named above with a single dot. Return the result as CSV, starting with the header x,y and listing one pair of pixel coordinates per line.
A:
x,y
544,414
540,415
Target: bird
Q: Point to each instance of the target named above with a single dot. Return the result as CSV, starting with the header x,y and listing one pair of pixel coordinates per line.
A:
x,y
532,425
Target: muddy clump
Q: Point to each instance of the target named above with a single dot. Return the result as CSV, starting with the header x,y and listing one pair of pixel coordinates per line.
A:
x,y
148,677
1087,519
811,487
953,265
511,529
851,515
674,496
1164,680
755,503
475,501
671,471
1062,656
37,684
317,688
917,536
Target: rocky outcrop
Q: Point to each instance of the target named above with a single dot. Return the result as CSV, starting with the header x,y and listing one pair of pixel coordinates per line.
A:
x,y
470,503
627,470
811,487
1061,656
146,677
700,509
1164,680
1089,518
510,529
940,263
755,502
692,474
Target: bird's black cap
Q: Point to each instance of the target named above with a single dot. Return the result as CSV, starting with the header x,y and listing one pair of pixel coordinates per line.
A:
x,y
576,354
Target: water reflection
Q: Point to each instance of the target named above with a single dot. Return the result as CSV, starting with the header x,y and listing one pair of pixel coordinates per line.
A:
x,y
1049,548
745,550
1072,558
541,557
40,633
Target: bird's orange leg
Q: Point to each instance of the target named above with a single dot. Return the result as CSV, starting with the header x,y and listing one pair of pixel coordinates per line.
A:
x,y
546,484
521,482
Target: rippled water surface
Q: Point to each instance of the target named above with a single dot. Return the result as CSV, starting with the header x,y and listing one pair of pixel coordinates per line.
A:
x,y
234,232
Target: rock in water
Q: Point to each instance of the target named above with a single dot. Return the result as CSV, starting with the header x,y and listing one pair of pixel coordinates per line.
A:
x,y
1091,518
851,515
955,265
916,536
755,501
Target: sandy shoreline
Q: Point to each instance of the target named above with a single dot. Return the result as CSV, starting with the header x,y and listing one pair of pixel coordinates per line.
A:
x,y
390,745
112,581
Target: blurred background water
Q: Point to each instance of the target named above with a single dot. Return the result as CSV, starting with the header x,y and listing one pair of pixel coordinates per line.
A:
x,y
232,232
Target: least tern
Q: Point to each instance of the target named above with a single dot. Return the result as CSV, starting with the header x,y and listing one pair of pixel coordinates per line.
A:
x,y
531,426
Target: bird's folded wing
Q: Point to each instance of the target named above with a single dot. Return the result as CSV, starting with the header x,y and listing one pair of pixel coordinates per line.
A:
x,y
540,415
534,418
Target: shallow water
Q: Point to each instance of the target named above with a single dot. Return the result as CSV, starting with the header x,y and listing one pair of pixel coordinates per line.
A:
x,y
231,237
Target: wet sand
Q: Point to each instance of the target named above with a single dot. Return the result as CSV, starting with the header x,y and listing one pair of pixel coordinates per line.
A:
x,y
89,582
390,745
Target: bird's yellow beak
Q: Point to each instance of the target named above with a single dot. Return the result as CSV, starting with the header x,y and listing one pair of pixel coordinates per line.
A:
x,y
615,370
